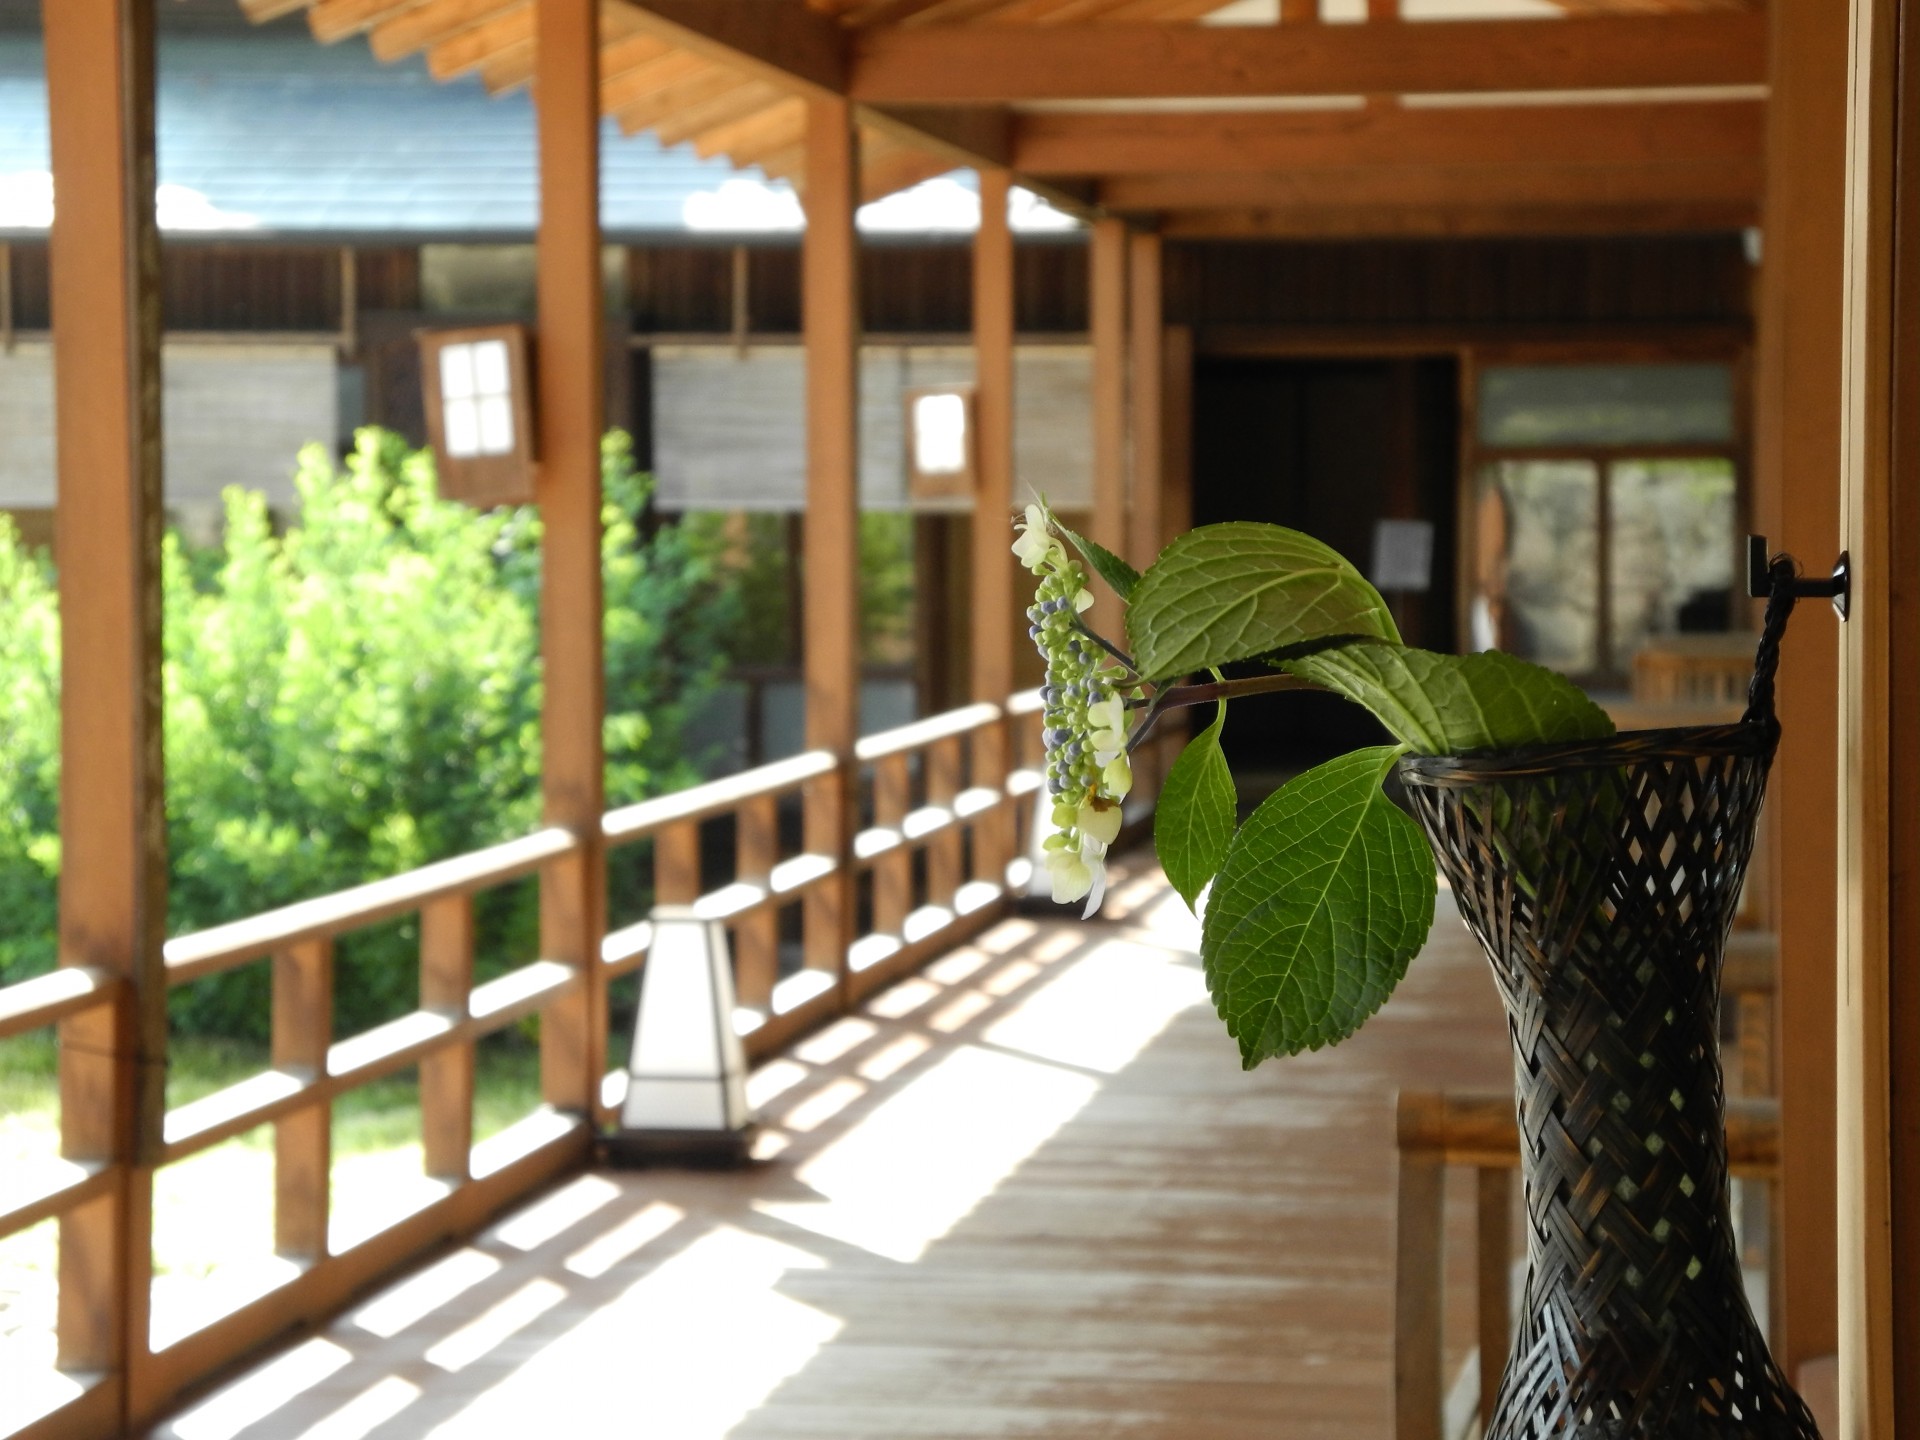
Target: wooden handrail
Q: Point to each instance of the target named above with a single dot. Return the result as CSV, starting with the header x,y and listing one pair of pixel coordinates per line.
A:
x,y
206,952
1479,1128
48,999
715,797
923,733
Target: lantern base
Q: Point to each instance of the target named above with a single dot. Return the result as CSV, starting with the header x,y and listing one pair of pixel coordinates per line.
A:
x,y
686,1149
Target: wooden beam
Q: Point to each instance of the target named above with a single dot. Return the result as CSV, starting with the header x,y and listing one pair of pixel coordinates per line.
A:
x,y
1354,222
965,135
571,391
830,315
1107,330
105,257
1797,459
1388,135
984,65
1440,186
769,39
887,168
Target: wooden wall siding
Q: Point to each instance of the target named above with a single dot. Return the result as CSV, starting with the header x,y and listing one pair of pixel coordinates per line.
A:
x,y
728,431
233,415
1574,282
906,287
246,286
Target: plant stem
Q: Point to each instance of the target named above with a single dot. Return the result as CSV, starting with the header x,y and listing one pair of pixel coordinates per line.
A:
x,y
1104,644
1177,696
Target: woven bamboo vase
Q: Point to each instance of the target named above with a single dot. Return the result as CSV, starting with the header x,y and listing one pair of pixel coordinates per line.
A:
x,y
1601,878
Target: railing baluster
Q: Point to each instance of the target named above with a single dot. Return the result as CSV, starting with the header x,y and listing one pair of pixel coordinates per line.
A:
x,y
991,761
946,852
446,1076
756,939
893,872
1493,1238
303,1141
676,864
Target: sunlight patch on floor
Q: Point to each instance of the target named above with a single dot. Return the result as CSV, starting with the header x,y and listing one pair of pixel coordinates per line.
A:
x,y
694,1346
924,1158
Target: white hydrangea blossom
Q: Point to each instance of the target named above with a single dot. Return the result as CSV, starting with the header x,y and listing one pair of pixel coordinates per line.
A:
x,y
1086,718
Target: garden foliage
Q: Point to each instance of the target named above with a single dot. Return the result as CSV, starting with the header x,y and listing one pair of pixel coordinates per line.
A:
x,y
353,696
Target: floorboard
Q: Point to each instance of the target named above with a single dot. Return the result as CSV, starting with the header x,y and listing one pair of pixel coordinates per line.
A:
x,y
1029,1192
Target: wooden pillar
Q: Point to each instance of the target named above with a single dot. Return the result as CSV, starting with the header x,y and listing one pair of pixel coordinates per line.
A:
x,y
1878,1123
573,1035
1107,322
1146,345
1796,504
830,314
995,575
113,874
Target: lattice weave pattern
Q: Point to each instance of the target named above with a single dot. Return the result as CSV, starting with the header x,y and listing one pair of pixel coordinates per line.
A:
x,y
1602,879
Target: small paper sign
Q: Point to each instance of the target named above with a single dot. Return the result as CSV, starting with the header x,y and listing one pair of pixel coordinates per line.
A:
x,y
1403,554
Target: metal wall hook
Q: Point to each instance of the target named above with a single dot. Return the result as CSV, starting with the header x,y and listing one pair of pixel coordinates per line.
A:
x,y
1837,587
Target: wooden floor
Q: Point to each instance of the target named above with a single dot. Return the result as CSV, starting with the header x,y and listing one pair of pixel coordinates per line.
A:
x,y
1030,1192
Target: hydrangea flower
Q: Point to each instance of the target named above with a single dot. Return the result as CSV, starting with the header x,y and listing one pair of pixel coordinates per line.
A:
x,y
1086,717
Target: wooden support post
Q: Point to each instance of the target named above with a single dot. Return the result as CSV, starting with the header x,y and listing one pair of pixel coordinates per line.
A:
x,y
946,852
1877,1128
1417,1300
996,577
1796,504
1146,505
573,1031
756,939
676,864
446,1076
1107,321
113,875
303,1141
892,872
830,304
1493,1234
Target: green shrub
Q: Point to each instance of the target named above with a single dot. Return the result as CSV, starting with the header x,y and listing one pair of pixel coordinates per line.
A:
x,y
356,696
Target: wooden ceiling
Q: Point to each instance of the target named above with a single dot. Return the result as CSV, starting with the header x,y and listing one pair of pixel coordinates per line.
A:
x,y
1626,115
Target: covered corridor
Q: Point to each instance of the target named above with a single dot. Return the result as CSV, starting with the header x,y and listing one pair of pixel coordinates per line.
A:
x,y
1026,1191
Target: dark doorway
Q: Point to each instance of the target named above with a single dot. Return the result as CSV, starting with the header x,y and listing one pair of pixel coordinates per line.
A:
x,y
1330,447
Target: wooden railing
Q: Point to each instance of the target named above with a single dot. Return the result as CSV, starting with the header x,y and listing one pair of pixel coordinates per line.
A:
x,y
1479,1131
948,787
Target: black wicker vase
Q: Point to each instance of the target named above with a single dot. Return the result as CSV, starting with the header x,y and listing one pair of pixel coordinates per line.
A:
x,y
1601,878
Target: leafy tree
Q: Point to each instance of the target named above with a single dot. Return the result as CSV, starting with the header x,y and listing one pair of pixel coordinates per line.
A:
x,y
355,696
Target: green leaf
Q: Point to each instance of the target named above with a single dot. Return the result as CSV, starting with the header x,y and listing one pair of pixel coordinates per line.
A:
x,y
1193,822
1326,895
1452,704
1107,565
1231,592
